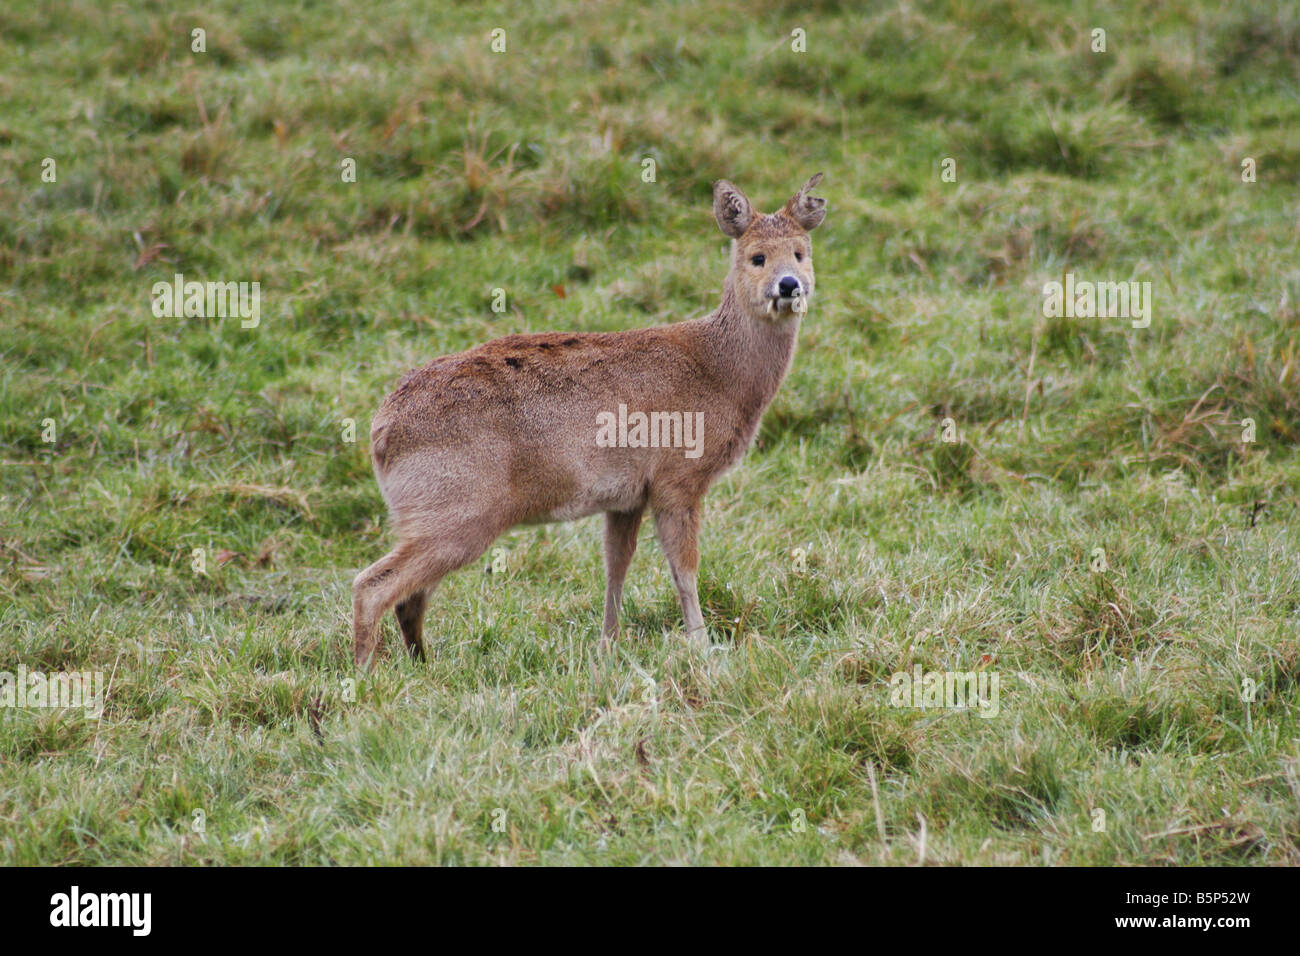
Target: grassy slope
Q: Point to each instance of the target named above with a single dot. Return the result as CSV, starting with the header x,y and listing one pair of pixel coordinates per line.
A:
x,y
522,172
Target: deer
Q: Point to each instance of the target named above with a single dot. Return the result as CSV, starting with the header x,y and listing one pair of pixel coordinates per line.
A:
x,y
552,426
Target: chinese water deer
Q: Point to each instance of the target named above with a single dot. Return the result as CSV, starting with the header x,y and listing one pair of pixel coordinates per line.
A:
x,y
557,426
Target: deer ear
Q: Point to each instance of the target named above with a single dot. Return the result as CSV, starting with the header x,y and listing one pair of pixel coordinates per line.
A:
x,y
807,211
731,208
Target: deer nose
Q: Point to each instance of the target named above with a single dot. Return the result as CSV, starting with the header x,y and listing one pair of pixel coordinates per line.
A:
x,y
789,286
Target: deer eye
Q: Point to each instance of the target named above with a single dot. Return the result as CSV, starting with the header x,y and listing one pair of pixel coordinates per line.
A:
x,y
798,257
758,260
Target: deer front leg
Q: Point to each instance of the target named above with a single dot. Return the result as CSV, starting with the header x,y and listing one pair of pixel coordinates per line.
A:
x,y
679,531
621,528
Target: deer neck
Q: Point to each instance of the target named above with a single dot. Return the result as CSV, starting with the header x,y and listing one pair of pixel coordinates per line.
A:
x,y
751,356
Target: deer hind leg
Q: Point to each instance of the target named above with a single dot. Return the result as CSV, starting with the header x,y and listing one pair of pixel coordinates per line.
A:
x,y
405,576
410,618
679,530
621,528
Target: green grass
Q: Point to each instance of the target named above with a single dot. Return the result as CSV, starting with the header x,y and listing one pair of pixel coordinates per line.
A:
x,y
232,693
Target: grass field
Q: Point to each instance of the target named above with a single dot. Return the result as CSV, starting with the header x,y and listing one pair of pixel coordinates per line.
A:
x,y
1149,707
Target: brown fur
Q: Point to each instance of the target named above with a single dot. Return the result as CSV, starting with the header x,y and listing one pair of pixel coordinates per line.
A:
x,y
505,433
